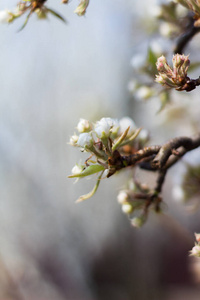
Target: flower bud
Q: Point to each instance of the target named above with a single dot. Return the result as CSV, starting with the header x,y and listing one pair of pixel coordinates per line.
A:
x,y
84,126
73,140
160,64
127,208
138,221
177,61
123,197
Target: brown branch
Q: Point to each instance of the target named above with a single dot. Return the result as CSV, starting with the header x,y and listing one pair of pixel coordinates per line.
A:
x,y
167,150
161,157
185,38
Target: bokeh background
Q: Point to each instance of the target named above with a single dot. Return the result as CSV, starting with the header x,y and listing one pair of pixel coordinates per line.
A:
x,y
52,74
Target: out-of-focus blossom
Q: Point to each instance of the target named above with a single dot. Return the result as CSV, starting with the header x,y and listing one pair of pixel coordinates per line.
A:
x,y
138,221
178,193
144,92
5,16
125,123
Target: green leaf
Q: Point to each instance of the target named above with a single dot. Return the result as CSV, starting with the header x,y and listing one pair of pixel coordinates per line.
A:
x,y
88,171
90,194
55,14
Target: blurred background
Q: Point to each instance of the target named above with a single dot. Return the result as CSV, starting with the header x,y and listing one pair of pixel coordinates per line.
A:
x,y
52,74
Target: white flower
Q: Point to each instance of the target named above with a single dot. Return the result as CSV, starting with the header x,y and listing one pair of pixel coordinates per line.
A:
x,y
125,123
84,126
73,140
122,197
5,16
105,126
85,139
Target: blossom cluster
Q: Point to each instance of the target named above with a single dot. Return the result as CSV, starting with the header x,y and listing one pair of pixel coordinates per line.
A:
x,y
103,140
175,77
137,200
196,249
133,205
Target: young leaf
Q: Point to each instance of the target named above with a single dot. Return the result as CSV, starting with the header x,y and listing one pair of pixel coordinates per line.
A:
x,y
120,139
88,171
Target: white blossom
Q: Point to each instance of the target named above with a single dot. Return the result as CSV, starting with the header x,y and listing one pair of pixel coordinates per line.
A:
x,y
84,126
85,139
105,126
